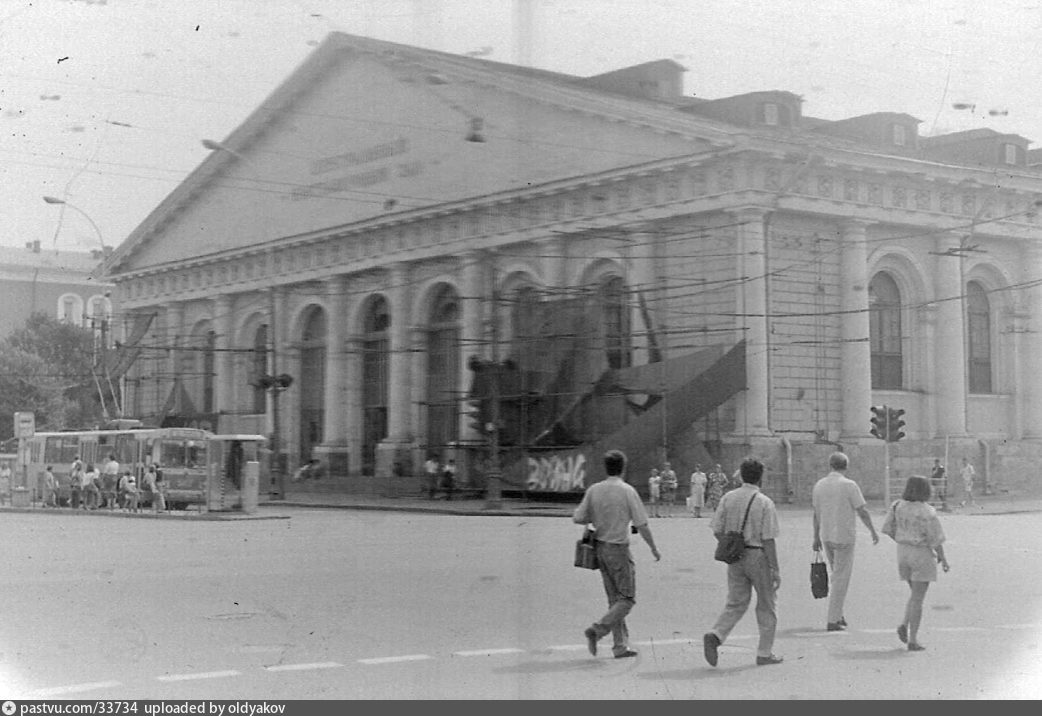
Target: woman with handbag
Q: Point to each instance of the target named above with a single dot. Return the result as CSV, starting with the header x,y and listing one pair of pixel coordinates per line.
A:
x,y
913,523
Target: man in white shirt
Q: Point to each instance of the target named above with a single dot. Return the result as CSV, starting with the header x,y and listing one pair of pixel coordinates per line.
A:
x,y
837,499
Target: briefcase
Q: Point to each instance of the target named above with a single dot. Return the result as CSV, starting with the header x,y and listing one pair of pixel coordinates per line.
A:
x,y
819,577
586,552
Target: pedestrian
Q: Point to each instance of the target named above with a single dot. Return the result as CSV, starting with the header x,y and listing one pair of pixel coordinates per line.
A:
x,y
967,473
735,481
698,491
654,491
148,488
431,468
91,489
939,480
756,570
305,471
109,481
159,496
611,506
75,483
669,487
50,488
717,482
837,500
123,488
131,494
5,482
448,478
913,523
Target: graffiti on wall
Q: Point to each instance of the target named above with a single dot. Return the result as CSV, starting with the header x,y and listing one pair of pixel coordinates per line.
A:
x,y
557,474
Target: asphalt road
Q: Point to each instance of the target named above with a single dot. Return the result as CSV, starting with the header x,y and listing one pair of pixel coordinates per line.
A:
x,y
342,604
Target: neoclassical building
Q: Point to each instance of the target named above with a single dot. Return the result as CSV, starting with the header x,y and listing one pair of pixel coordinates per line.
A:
x,y
392,217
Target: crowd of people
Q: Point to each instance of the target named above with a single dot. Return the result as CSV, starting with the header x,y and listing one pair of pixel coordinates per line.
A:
x,y
706,490
613,510
111,487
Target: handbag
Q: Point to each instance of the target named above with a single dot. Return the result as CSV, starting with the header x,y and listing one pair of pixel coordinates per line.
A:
x,y
889,526
586,552
730,546
819,577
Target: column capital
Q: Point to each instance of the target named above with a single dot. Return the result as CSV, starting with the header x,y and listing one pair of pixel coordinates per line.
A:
x,y
749,212
851,225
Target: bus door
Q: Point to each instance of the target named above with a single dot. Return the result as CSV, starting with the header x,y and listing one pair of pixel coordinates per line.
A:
x,y
234,471
183,462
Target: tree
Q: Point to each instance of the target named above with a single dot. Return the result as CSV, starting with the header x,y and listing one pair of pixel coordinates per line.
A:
x,y
46,368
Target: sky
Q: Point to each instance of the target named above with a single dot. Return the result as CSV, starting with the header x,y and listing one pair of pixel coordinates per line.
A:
x,y
105,103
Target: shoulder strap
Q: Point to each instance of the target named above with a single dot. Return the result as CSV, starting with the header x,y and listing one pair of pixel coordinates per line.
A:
x,y
747,508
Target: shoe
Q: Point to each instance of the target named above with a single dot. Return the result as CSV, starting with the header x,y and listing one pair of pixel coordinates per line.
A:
x,y
913,646
710,643
902,633
842,622
768,660
591,640
835,626
625,654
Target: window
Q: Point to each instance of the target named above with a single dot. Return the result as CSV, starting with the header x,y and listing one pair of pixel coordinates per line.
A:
x,y
900,135
443,369
884,302
376,352
1009,153
978,318
616,322
70,309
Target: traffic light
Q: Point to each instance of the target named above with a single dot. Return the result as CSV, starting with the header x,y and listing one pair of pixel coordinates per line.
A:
x,y
894,424
879,419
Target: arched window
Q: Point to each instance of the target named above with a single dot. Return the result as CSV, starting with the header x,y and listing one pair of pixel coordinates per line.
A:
x,y
978,319
70,309
615,312
443,369
209,370
884,300
375,374
524,323
259,368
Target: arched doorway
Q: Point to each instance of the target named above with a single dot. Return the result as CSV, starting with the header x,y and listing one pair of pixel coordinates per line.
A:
x,y
375,366
443,369
312,380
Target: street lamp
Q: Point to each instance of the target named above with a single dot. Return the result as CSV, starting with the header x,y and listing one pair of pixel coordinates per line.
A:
x,y
56,200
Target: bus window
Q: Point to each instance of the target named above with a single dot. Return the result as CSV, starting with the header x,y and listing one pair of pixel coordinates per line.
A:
x,y
195,454
172,454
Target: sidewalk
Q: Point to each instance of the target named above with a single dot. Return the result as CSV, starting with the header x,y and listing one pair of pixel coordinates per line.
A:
x,y
514,506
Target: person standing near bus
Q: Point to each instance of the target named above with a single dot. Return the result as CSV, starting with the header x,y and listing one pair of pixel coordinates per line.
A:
x,y
109,478
5,482
91,491
75,483
159,490
50,488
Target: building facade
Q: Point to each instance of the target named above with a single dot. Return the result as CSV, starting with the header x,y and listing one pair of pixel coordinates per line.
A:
x,y
390,213
61,284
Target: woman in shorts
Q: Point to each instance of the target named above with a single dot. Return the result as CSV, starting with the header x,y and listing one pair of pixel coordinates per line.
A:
x,y
913,523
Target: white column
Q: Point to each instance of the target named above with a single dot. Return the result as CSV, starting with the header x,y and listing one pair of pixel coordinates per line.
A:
x,y
1030,388
336,361
353,403
173,328
949,379
475,291
277,322
856,351
752,418
223,307
398,428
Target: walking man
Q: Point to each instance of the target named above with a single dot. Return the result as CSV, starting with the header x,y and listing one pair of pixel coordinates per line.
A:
x,y
611,505
698,491
967,473
669,487
757,569
837,499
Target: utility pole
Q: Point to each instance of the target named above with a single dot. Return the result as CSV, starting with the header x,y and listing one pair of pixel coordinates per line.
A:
x,y
275,388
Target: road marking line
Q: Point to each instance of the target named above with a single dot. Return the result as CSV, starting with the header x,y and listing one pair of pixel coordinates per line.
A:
x,y
879,631
394,659
75,688
1018,626
663,642
567,647
304,667
200,675
962,628
488,652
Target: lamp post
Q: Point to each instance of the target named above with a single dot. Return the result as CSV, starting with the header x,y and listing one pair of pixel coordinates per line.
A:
x,y
85,215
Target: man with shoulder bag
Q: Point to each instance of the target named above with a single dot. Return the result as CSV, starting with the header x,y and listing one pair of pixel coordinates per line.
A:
x,y
751,513
610,506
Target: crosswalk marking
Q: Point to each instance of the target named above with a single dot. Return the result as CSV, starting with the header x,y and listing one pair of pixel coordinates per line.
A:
x,y
304,667
75,688
395,659
488,652
199,675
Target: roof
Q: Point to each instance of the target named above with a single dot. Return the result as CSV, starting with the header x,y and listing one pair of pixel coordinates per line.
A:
x,y
74,261
969,135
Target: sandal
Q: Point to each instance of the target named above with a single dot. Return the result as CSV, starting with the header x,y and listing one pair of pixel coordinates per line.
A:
x,y
915,646
902,633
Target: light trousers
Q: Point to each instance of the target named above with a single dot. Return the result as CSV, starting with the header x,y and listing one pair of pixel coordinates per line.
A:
x,y
841,560
750,572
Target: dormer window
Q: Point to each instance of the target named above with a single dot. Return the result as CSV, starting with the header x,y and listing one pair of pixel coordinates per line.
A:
x,y
1009,153
899,134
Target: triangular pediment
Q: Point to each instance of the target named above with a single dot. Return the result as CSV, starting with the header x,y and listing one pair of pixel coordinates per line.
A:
x,y
364,130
